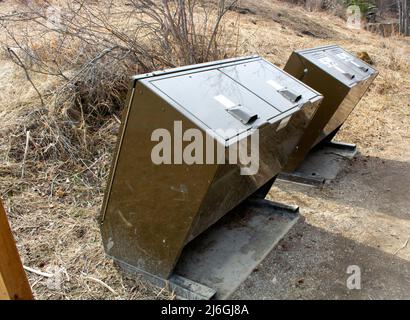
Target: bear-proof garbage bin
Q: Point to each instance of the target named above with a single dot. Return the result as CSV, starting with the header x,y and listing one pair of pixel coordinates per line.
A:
x,y
341,78
176,169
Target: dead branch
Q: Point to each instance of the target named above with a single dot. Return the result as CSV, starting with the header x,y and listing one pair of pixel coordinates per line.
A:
x,y
21,65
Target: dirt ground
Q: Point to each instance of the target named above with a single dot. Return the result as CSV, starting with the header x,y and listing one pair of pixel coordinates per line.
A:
x,y
362,218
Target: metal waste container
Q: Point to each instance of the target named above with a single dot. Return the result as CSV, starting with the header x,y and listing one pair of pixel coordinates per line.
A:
x,y
165,187
342,78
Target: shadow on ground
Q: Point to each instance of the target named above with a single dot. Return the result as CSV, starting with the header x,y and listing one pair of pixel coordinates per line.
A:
x,y
311,263
371,183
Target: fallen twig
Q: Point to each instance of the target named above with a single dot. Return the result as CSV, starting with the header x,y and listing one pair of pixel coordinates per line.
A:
x,y
88,167
117,119
40,273
25,153
102,283
403,246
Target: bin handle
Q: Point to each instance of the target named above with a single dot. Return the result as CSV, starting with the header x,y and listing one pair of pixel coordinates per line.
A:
x,y
285,92
290,95
349,75
243,114
363,68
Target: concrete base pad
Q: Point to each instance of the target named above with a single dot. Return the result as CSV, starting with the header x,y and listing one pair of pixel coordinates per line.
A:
x,y
214,264
322,164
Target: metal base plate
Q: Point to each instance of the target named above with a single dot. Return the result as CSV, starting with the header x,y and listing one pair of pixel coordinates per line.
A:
x,y
322,164
214,264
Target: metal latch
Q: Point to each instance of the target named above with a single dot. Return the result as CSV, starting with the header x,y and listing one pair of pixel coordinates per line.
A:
x,y
285,92
330,63
349,75
291,96
243,114
363,68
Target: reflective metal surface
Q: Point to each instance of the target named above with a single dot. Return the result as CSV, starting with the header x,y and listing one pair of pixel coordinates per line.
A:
x,y
341,78
152,211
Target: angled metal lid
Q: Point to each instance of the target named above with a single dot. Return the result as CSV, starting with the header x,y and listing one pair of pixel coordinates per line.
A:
x,y
339,63
362,69
270,83
216,101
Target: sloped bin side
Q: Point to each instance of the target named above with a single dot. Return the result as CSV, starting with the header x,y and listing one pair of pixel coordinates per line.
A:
x,y
151,211
341,78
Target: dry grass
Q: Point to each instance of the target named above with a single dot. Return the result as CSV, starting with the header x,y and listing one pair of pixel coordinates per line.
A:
x,y
61,116
88,52
53,208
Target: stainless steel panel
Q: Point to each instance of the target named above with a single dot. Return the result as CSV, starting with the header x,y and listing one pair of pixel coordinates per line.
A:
x,y
361,69
268,81
209,95
327,62
324,69
150,211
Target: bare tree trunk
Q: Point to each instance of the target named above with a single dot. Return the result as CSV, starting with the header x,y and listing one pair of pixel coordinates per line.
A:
x,y
406,12
404,17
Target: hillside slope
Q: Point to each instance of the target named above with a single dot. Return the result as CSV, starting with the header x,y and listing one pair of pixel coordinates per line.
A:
x,y
360,219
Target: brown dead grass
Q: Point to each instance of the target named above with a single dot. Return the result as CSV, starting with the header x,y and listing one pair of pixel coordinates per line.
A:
x,y
53,208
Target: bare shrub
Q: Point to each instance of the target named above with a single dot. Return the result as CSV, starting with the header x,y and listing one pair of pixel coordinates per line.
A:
x,y
92,50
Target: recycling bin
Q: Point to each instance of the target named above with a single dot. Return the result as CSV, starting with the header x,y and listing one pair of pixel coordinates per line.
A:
x,y
341,78
174,172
